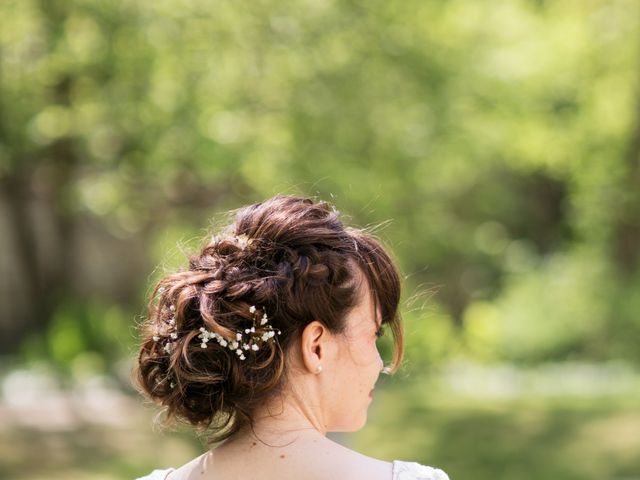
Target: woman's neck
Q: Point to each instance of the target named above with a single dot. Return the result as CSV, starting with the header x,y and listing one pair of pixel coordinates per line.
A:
x,y
283,421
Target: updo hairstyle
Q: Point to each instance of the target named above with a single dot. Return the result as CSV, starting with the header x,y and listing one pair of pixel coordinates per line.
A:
x,y
289,256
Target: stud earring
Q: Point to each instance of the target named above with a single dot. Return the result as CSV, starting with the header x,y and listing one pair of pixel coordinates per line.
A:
x,y
318,368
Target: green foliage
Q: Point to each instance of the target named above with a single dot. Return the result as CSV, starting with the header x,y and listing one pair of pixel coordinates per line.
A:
x,y
525,439
497,136
84,337
500,138
568,304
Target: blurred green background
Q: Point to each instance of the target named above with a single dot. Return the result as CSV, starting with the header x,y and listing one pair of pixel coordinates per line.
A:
x,y
499,142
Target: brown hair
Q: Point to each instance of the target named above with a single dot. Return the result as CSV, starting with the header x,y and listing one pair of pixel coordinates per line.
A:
x,y
298,265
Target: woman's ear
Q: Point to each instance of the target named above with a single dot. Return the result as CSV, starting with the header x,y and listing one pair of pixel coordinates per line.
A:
x,y
315,344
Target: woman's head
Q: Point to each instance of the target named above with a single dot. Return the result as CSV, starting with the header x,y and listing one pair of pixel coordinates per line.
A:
x,y
295,260
338,399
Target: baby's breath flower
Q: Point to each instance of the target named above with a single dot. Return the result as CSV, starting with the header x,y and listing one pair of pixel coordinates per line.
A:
x,y
242,240
255,333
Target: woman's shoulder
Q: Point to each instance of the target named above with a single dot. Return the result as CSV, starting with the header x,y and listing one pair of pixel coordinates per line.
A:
x,y
354,465
415,471
177,473
157,474
358,466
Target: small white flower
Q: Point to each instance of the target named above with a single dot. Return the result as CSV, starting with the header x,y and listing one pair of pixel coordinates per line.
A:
x,y
242,357
252,309
242,240
252,329
239,352
246,346
223,342
247,330
254,347
156,338
264,319
238,336
234,345
203,345
265,336
172,308
167,347
202,329
174,335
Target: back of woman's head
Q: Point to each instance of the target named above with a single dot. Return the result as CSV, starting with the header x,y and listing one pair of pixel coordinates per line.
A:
x,y
293,260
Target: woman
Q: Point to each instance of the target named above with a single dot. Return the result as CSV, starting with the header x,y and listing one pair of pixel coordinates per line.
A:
x,y
268,341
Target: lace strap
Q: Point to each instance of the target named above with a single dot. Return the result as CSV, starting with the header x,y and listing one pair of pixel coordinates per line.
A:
x,y
157,474
416,471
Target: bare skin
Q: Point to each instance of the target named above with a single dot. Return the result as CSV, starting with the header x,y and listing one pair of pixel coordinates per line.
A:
x,y
289,437
310,456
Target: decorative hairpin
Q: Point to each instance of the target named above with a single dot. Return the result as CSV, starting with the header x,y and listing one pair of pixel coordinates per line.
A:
x,y
260,333
172,332
242,241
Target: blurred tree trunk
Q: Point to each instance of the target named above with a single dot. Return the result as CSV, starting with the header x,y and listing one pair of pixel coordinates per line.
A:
x,y
626,229
46,278
34,187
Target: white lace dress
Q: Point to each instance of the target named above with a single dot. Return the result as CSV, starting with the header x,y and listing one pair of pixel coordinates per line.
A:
x,y
401,471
